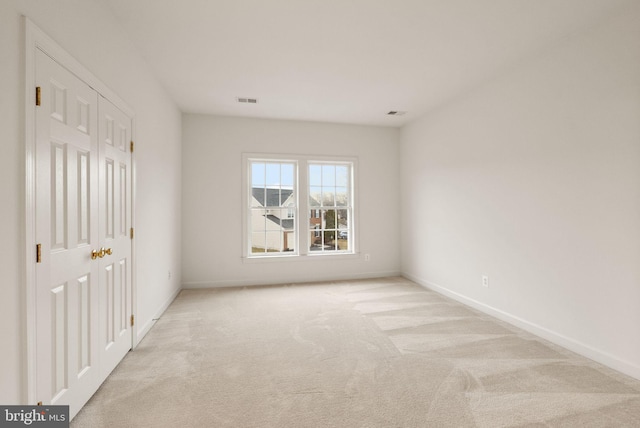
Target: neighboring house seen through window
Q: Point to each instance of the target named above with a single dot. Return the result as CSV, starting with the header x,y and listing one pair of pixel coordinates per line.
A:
x,y
325,194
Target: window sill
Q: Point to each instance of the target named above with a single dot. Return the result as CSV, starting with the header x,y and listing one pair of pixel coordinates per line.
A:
x,y
300,258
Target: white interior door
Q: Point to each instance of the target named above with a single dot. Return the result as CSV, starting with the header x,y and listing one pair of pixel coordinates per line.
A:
x,y
83,217
67,230
114,132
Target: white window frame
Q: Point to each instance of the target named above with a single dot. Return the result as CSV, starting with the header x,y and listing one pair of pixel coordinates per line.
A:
x,y
248,208
302,209
320,209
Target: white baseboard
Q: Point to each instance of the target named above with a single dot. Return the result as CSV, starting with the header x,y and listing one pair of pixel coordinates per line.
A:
x,y
144,329
580,348
261,281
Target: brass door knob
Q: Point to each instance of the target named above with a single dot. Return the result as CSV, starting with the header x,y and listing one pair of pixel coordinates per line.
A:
x,y
103,252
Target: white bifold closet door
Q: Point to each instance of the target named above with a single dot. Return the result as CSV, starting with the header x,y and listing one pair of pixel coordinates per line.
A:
x,y
83,217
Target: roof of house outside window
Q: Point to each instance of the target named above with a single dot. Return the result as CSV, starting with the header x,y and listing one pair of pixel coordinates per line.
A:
x,y
272,196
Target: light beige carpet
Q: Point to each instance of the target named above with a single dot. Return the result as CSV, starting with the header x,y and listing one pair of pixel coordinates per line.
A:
x,y
370,353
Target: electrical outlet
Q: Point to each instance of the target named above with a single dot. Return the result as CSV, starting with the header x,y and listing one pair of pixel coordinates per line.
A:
x,y
485,281
367,257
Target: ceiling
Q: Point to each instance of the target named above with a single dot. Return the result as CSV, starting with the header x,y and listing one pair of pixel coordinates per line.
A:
x,y
349,61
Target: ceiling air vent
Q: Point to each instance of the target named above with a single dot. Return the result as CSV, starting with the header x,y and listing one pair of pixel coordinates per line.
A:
x,y
396,113
247,100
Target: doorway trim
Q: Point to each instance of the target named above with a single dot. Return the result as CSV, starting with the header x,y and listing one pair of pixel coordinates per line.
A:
x,y
36,39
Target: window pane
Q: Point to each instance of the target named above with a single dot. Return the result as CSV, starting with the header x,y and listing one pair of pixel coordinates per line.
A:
x,y
258,219
271,198
343,219
315,219
329,219
287,175
342,197
272,222
287,220
330,245
257,242
342,176
315,175
286,198
328,197
273,175
343,239
289,242
257,174
257,199
315,240
315,196
273,242
328,175
289,198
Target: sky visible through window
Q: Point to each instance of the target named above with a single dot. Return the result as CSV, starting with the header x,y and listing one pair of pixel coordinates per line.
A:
x,y
281,175
272,175
328,180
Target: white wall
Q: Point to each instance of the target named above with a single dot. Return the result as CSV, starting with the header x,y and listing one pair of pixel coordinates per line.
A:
x,y
212,174
86,29
534,180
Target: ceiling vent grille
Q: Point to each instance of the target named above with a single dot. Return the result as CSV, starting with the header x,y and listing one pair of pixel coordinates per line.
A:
x,y
396,113
247,100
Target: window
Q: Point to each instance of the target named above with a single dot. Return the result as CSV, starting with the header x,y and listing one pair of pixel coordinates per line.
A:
x,y
330,207
298,206
272,207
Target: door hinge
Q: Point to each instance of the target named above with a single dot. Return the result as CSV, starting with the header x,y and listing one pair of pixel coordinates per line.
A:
x,y
131,233
37,95
133,319
131,147
39,253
